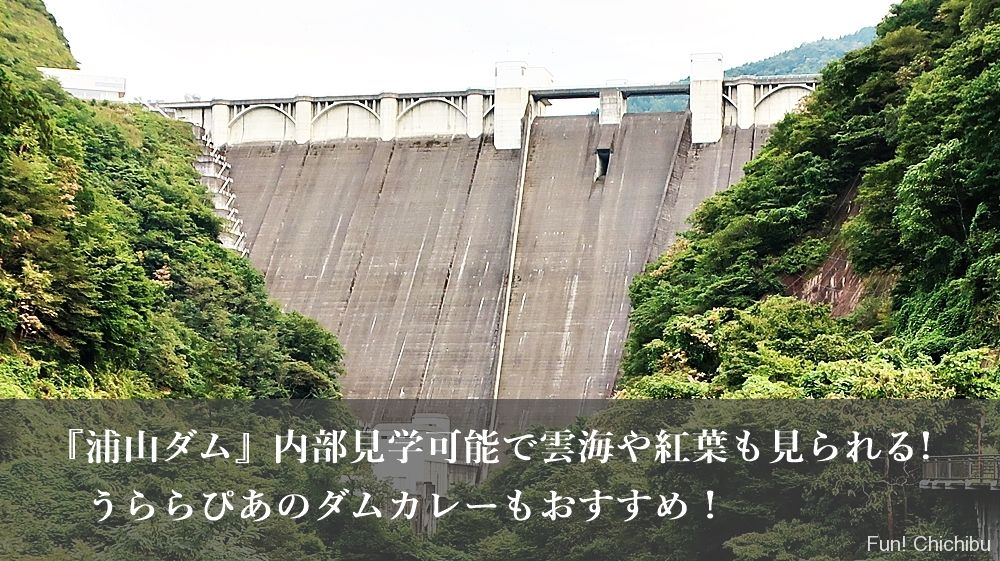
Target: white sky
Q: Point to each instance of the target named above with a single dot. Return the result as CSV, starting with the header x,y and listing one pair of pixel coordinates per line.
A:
x,y
250,48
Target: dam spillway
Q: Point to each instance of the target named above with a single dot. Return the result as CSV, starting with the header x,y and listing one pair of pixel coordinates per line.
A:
x,y
402,247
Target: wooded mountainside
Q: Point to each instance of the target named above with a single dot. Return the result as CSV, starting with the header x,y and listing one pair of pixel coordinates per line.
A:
x,y
112,283
881,200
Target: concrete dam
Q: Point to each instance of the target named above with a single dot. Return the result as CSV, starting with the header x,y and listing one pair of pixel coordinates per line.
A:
x,y
463,244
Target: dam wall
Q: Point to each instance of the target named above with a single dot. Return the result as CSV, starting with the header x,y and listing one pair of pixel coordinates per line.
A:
x,y
463,245
702,170
403,248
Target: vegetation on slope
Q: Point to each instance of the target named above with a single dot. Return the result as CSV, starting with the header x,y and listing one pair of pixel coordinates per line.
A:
x,y
112,283
912,120
807,58
29,32
910,125
805,511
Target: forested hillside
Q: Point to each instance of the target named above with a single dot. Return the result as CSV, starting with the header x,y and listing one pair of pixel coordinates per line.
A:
x,y
112,283
904,130
807,58
30,33
859,257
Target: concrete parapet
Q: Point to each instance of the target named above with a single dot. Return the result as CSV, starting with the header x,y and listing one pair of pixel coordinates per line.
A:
x,y
520,90
384,116
750,101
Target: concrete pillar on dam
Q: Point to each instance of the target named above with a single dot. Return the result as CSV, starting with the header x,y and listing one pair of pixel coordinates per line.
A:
x,y
745,104
511,99
220,123
303,121
514,80
388,111
474,109
706,97
612,107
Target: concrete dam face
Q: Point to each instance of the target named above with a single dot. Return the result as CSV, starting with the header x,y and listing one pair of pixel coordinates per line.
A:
x,y
450,268
399,247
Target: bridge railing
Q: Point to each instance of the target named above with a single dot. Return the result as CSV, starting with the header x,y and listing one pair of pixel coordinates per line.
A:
x,y
966,470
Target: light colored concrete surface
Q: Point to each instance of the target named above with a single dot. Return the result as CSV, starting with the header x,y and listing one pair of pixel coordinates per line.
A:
x,y
612,107
306,119
398,247
776,102
745,105
750,101
580,243
706,97
512,99
521,92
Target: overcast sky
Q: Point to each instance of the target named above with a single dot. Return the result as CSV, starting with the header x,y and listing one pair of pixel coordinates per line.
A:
x,y
249,48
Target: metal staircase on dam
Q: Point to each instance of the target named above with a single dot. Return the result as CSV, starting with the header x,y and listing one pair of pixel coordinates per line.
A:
x,y
214,171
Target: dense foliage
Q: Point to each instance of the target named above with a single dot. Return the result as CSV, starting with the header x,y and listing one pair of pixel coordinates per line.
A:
x,y
47,513
112,283
29,32
910,123
807,58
